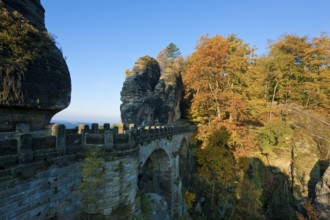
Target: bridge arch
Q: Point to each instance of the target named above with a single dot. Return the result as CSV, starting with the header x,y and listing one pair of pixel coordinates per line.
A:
x,y
155,175
163,168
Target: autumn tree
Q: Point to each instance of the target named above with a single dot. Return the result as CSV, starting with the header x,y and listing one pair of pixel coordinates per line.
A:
x,y
231,90
216,170
298,70
215,76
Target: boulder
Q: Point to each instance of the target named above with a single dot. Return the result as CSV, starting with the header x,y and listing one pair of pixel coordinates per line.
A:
x,y
149,96
35,81
154,207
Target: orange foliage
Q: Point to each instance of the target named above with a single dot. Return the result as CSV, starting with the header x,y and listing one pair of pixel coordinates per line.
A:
x,y
215,77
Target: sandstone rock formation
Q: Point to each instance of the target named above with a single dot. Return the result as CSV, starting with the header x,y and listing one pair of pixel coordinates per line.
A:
x,y
150,96
322,199
35,82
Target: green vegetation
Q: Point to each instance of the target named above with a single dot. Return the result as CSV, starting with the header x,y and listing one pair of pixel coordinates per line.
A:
x,y
93,176
172,51
217,173
20,41
274,134
146,208
189,198
20,44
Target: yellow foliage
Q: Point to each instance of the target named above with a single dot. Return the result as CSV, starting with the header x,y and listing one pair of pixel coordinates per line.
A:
x,y
190,199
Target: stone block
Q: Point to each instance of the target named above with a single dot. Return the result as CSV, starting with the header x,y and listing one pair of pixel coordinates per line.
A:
x,y
115,129
107,211
39,143
106,126
74,139
25,153
108,140
95,128
121,139
8,147
94,139
121,128
23,127
58,130
5,162
83,128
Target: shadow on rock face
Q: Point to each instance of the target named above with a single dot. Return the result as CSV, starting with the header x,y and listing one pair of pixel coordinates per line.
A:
x,y
35,81
154,207
150,97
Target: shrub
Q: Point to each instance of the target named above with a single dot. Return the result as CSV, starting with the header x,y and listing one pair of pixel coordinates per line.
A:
x,y
274,134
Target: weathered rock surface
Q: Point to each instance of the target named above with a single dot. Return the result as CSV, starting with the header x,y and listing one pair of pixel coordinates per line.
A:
x,y
150,96
31,10
322,199
158,207
35,82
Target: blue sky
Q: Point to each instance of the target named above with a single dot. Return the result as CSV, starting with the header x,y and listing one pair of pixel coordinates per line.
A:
x,y
102,38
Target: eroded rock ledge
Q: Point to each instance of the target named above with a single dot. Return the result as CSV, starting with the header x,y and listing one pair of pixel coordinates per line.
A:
x,y
35,82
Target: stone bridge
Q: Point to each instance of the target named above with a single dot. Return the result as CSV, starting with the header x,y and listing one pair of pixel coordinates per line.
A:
x,y
40,171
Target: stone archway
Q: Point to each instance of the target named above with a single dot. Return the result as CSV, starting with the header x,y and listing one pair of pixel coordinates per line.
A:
x,y
155,176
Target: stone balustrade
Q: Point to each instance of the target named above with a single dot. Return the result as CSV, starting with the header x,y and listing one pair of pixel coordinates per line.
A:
x,y
25,146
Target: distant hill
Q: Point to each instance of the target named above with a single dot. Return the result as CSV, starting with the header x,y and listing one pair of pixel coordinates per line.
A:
x,y
69,124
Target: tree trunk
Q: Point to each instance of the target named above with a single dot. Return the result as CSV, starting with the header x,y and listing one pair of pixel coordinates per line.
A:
x,y
307,102
214,94
271,104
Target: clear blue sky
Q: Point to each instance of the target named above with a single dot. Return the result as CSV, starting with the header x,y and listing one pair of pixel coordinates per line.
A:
x,y
102,38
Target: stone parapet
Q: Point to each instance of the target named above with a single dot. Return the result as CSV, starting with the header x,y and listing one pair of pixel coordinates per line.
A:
x,y
40,171
25,147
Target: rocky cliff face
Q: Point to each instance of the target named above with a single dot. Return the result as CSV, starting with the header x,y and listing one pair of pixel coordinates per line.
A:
x,y
150,96
31,10
322,199
34,78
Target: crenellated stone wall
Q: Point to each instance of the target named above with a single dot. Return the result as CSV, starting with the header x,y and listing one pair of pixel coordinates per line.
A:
x,y
40,171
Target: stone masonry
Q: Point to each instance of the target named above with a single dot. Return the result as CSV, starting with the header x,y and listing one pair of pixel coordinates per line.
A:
x,y
40,171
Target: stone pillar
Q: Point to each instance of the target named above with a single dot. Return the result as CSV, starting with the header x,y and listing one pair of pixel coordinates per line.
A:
x,y
58,130
108,140
95,128
132,137
176,189
121,128
83,128
106,126
141,130
151,130
115,129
